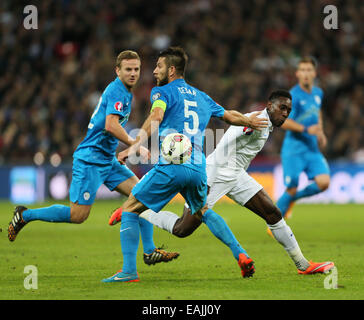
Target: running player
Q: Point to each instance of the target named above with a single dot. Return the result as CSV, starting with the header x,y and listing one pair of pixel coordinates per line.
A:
x,y
176,106
226,175
95,162
303,140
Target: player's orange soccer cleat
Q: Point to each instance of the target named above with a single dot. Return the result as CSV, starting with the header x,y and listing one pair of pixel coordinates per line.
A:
x,y
115,216
246,265
318,267
269,232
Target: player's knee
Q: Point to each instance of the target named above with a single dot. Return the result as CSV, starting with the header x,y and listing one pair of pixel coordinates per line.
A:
x,y
79,216
181,230
323,184
292,191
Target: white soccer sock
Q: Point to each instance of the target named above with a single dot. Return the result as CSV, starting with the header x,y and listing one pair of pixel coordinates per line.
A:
x,y
284,235
162,219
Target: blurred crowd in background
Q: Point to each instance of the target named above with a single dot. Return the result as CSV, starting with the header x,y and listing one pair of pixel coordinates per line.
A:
x,y
51,78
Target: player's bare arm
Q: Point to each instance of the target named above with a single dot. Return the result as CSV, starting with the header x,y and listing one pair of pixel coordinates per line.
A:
x,y
321,137
150,125
113,127
292,125
236,118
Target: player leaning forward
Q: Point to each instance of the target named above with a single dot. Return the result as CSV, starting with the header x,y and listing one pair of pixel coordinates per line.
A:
x,y
176,106
95,162
226,175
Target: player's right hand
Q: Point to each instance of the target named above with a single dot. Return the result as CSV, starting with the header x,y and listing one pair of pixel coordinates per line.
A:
x,y
314,129
257,123
123,155
144,153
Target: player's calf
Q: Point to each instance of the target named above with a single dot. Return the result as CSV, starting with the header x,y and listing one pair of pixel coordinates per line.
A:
x,y
262,205
186,225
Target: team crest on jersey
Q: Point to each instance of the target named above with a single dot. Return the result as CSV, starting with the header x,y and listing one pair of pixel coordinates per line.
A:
x,y
156,96
247,131
118,106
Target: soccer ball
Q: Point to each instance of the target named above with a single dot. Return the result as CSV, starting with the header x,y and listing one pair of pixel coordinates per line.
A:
x,y
176,148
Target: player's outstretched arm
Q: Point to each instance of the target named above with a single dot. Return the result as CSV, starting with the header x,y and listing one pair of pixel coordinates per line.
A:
x,y
238,119
292,125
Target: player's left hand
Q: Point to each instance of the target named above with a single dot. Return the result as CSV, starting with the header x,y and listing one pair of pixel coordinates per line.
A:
x,y
257,123
144,153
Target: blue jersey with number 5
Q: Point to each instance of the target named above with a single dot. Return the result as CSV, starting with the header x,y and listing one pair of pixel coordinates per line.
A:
x,y
99,146
188,111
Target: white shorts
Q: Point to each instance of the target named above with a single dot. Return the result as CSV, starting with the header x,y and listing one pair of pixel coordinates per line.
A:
x,y
240,189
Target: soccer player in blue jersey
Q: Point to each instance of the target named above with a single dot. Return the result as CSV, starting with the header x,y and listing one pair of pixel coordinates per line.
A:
x,y
303,140
95,162
176,107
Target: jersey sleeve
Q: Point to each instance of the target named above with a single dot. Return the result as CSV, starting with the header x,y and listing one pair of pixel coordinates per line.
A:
x,y
216,110
158,98
115,103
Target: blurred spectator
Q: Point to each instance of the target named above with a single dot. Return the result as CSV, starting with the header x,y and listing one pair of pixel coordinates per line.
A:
x,y
51,78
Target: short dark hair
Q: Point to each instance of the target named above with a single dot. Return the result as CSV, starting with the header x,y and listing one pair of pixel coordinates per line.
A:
x,y
308,59
126,55
177,57
279,93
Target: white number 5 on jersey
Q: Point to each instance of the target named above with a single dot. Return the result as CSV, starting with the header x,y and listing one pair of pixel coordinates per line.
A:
x,y
190,113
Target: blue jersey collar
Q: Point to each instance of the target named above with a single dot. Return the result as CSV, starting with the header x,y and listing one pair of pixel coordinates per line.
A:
x,y
122,85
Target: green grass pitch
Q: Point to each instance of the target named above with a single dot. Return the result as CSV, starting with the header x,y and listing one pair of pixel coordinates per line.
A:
x,y
71,260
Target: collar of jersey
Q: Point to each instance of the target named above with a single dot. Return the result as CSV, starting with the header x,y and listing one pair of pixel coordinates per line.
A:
x,y
121,85
270,125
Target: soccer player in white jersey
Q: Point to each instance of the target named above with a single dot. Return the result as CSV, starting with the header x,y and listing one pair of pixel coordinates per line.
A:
x,y
226,175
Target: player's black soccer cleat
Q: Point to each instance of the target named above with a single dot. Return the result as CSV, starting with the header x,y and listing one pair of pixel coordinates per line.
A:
x,y
17,223
159,255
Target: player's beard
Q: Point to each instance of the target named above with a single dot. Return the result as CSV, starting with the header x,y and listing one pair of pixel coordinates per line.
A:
x,y
162,81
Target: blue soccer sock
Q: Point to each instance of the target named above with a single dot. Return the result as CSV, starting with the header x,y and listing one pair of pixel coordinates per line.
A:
x,y
146,231
220,229
310,190
55,213
283,202
129,239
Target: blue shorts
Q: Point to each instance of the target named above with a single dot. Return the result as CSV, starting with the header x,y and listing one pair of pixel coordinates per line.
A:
x,y
312,163
163,182
87,179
